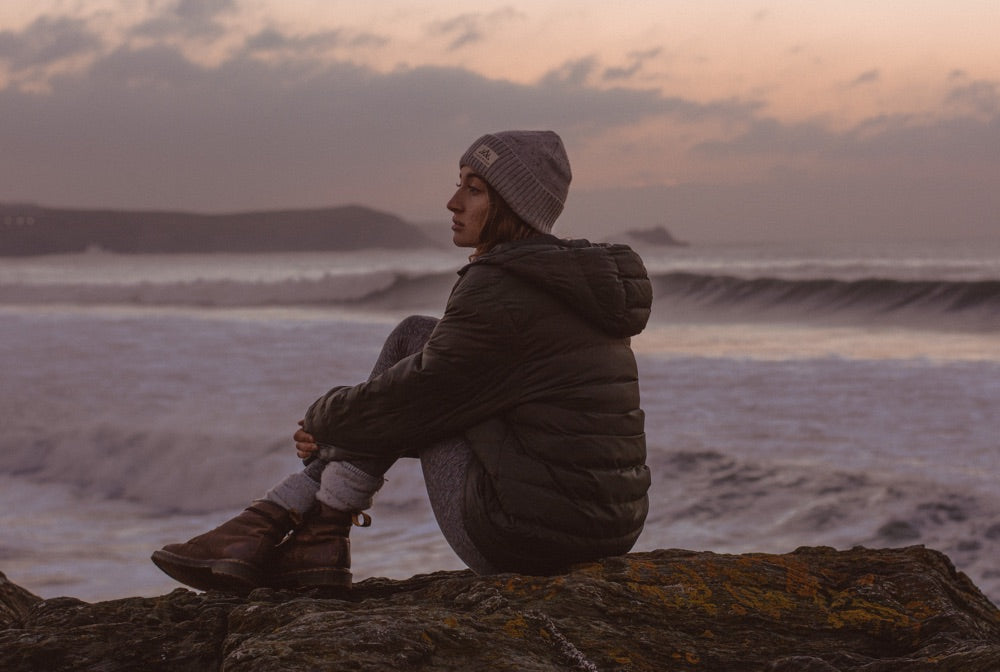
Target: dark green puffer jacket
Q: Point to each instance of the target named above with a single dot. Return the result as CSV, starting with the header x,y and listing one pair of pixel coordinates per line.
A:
x,y
531,363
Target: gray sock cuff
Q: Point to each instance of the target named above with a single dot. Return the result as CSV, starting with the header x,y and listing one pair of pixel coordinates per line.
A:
x,y
296,493
347,488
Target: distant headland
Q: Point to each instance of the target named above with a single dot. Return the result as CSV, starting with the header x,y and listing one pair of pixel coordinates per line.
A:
x,y
655,236
27,229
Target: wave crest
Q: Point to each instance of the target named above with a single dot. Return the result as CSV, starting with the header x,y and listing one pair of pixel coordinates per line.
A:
x,y
377,288
962,304
953,304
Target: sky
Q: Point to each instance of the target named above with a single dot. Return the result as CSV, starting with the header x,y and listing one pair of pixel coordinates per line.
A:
x,y
720,120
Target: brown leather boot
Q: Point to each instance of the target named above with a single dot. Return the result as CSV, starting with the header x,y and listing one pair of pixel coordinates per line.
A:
x,y
318,553
233,556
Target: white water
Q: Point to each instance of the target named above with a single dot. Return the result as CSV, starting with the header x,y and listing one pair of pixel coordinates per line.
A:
x,y
126,427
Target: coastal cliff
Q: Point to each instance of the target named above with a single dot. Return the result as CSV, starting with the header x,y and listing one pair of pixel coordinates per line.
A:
x,y
812,610
27,230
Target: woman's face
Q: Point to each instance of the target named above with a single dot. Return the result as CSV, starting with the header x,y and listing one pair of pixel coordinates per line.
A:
x,y
470,207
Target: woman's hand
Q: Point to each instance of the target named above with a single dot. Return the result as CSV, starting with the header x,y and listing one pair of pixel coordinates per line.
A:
x,y
305,443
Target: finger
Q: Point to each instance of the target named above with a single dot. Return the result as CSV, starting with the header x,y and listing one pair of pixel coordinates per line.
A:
x,y
302,436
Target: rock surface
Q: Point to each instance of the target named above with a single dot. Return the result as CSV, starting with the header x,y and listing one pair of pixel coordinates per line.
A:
x,y
816,609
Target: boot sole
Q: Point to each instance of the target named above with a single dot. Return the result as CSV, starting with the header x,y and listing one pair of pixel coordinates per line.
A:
x,y
231,576
313,578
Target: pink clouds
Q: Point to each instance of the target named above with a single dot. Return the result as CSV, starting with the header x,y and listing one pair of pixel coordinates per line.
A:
x,y
209,107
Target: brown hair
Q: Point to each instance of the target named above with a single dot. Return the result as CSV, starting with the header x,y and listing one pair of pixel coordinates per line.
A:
x,y
502,225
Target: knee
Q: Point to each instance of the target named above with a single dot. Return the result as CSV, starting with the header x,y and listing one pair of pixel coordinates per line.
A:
x,y
418,323
414,329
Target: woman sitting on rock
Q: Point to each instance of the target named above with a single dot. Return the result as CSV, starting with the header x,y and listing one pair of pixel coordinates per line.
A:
x,y
521,402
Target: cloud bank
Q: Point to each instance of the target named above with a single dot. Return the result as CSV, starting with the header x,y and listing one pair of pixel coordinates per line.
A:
x,y
285,119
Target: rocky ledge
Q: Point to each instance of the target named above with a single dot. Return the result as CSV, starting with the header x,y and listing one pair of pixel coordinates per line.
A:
x,y
813,610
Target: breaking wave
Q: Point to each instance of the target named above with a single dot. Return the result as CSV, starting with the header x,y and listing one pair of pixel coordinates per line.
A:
x,y
378,289
958,304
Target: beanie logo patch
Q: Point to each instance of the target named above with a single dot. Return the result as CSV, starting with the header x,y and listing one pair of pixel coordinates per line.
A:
x,y
486,155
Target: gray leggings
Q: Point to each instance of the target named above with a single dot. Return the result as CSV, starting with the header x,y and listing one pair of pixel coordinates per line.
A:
x,y
351,485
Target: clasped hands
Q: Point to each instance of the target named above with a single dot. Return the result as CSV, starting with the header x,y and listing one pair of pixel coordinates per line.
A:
x,y
305,443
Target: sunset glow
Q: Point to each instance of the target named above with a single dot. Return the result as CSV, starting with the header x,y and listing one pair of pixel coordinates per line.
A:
x,y
884,97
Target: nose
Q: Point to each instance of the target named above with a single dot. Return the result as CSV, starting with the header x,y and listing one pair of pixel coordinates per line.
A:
x,y
453,202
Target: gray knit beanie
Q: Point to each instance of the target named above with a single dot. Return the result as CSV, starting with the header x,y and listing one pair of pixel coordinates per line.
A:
x,y
529,169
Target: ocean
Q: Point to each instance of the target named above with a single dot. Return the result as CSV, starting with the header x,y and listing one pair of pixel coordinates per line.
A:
x,y
796,395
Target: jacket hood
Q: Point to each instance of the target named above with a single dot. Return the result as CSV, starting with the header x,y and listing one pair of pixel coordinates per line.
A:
x,y
605,283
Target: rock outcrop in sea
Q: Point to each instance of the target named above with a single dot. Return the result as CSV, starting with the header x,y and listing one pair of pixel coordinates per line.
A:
x,y
657,236
812,610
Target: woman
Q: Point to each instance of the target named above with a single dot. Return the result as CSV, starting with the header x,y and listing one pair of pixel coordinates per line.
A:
x,y
521,402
